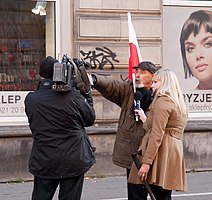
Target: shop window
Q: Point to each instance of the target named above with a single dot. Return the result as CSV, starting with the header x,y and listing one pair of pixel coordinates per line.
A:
x,y
25,39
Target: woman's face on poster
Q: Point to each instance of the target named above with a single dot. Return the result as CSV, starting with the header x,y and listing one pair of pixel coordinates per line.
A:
x,y
199,54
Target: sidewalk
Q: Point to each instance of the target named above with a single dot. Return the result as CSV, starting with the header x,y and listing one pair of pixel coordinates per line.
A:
x,y
114,188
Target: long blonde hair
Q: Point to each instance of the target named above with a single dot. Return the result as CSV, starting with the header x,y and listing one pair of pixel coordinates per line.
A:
x,y
169,87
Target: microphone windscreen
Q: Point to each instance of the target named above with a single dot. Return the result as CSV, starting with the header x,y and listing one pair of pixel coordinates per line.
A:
x,y
138,96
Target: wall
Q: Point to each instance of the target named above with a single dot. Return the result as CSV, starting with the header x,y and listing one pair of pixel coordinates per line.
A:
x,y
101,27
102,24
16,142
197,145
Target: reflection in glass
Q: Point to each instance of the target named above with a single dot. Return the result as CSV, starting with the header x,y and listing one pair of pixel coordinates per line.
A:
x,y
23,43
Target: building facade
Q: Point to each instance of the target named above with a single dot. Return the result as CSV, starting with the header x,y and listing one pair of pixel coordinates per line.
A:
x,y
97,32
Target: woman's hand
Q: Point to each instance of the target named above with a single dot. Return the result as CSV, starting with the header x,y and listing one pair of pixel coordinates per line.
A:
x,y
143,171
141,115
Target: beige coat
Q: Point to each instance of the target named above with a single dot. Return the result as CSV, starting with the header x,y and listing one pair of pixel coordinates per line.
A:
x,y
162,147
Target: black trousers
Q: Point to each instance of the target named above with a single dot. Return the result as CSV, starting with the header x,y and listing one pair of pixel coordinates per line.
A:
x,y
160,193
69,188
136,191
139,192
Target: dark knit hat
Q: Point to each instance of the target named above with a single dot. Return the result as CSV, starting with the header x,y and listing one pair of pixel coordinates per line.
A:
x,y
146,65
47,67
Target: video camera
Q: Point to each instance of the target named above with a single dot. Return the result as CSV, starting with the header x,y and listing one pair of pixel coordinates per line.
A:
x,y
71,73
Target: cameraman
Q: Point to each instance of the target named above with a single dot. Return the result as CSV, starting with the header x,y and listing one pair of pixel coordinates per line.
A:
x,y
61,151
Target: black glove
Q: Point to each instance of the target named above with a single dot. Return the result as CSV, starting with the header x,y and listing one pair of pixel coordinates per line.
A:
x,y
80,63
94,79
77,62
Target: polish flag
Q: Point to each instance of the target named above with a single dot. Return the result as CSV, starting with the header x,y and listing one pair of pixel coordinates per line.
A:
x,y
135,54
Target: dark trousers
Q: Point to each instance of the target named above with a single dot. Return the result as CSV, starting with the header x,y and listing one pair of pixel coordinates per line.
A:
x,y
160,193
139,192
69,188
136,191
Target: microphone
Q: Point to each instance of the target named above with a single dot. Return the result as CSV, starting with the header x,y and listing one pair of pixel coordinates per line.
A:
x,y
137,102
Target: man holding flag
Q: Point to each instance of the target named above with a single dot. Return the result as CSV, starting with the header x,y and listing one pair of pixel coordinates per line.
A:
x,y
130,131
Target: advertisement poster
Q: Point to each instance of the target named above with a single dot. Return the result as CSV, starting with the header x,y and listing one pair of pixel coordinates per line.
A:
x,y
187,50
12,104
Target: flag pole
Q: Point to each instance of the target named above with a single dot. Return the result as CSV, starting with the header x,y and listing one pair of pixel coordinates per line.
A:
x,y
133,81
134,90
134,55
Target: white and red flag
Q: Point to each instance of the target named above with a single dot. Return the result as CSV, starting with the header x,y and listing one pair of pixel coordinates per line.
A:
x,y
134,52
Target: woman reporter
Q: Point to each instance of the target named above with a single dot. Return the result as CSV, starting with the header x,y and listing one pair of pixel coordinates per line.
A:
x,y
161,150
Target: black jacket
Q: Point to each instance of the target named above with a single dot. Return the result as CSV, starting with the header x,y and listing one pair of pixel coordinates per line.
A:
x,y
61,147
